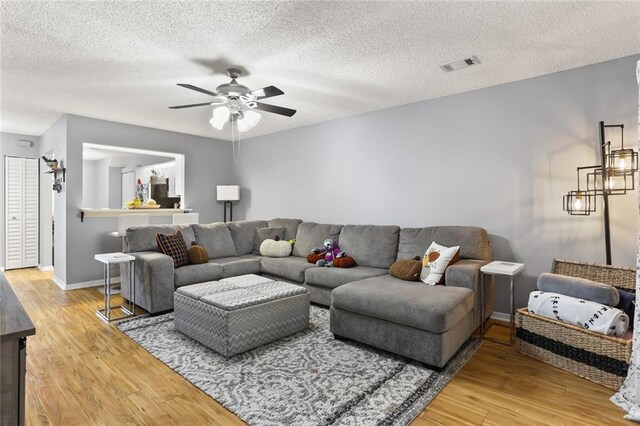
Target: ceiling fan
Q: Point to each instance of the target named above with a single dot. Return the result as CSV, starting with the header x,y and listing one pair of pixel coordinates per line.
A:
x,y
236,103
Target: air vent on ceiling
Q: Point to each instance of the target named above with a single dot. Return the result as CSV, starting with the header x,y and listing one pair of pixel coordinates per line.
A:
x,y
462,63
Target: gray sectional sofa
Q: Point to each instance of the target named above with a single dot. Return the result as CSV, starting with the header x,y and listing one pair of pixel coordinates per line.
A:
x,y
426,323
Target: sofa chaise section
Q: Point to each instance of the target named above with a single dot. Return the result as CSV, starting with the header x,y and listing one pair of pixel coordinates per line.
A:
x,y
475,251
426,323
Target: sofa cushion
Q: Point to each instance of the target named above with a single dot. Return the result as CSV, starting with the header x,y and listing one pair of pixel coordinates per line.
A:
x,y
216,238
370,245
311,235
191,274
431,308
143,238
234,266
473,241
291,268
266,234
335,277
244,235
291,226
187,233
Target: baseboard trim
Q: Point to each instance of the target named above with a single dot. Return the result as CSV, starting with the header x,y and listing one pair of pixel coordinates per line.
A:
x,y
58,282
85,284
500,316
45,268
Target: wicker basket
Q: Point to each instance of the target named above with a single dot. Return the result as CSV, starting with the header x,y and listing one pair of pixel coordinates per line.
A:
x,y
596,357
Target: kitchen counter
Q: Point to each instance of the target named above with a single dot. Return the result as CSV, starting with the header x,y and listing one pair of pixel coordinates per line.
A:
x,y
87,212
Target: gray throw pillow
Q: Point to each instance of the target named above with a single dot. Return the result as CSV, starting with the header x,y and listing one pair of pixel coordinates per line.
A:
x,y
267,234
579,288
290,226
216,239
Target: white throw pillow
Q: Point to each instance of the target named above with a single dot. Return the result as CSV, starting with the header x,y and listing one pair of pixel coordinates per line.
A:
x,y
435,261
275,248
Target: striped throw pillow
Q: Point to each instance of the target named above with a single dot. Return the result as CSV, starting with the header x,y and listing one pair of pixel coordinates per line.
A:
x,y
174,246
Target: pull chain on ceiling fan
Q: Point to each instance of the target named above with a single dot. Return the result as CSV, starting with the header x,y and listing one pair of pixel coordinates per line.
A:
x,y
237,104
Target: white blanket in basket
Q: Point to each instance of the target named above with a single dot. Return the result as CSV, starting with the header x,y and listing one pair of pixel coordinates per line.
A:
x,y
582,313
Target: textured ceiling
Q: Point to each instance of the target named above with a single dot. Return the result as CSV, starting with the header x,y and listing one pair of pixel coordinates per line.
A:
x,y
121,60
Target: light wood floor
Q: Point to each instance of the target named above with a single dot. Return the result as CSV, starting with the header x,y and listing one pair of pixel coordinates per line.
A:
x,y
81,371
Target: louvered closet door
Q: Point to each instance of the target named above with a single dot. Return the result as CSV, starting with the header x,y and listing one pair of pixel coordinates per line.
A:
x,y
14,195
21,212
30,241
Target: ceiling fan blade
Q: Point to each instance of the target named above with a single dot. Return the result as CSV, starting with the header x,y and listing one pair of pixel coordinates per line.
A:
x,y
197,89
189,106
275,109
267,92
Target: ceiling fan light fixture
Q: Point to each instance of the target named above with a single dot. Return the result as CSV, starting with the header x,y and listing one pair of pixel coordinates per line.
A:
x,y
250,120
219,117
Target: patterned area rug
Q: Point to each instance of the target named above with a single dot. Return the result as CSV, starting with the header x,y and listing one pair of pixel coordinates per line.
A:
x,y
308,378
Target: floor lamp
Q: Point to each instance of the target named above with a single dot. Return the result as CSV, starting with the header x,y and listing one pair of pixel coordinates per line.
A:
x,y
615,175
228,194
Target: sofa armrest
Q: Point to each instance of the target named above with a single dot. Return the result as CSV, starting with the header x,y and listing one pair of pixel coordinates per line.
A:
x,y
466,273
154,281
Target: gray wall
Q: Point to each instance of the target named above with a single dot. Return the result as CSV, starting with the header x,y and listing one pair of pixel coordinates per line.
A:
x,y
500,158
89,188
208,162
96,184
55,140
9,146
115,187
102,183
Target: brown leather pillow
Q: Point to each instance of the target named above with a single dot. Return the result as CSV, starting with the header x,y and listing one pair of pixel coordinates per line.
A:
x,y
406,269
344,262
198,254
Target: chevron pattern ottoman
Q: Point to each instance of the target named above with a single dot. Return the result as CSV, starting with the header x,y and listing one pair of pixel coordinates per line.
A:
x,y
240,313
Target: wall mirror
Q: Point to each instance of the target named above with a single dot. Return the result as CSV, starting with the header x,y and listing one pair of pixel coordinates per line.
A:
x,y
113,176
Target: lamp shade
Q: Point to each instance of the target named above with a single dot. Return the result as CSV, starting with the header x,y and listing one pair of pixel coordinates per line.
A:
x,y
228,192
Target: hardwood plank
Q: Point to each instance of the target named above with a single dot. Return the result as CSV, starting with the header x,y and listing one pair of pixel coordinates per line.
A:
x,y
14,321
83,371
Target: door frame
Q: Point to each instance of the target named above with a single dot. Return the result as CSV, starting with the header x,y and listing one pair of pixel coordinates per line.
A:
x,y
4,212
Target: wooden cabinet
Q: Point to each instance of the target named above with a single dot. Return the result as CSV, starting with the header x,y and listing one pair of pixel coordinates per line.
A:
x,y
15,326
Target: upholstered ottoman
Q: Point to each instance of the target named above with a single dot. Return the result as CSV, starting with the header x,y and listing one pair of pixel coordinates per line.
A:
x,y
240,313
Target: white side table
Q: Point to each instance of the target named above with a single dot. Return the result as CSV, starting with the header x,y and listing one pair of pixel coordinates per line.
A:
x,y
499,267
109,259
